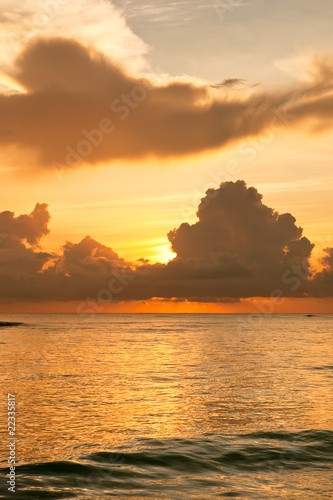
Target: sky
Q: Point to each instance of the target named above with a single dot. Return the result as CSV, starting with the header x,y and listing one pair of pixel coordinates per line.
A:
x,y
184,145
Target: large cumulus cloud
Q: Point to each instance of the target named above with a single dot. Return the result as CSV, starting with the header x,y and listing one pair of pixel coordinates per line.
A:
x,y
239,247
77,106
234,219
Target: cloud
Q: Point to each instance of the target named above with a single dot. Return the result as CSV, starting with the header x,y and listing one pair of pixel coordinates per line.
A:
x,y
83,270
78,106
238,248
230,82
322,284
233,219
20,259
79,271
30,228
96,22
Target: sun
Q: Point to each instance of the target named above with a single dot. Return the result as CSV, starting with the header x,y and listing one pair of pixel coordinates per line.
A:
x,y
163,253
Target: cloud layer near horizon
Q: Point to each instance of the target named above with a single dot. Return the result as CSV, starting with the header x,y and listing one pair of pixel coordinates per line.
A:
x,y
77,106
238,248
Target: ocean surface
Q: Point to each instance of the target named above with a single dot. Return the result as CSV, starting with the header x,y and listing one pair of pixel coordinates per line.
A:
x,y
169,406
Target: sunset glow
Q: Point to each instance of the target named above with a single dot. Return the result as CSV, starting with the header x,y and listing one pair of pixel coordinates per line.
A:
x,y
166,249
125,150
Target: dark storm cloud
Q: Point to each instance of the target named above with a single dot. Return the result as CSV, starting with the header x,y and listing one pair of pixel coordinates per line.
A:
x,y
239,247
78,106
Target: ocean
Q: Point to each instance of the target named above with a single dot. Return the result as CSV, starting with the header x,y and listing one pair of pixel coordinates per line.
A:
x,y
157,406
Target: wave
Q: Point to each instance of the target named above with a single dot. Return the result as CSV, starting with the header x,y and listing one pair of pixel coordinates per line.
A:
x,y
150,464
288,450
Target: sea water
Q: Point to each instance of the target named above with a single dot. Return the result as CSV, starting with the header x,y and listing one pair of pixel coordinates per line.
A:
x,y
189,406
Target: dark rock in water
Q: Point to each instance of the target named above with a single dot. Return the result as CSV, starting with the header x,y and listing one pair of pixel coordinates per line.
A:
x,y
9,323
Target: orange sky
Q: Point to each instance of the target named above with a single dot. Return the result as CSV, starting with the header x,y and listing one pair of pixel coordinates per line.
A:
x,y
257,306
149,177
